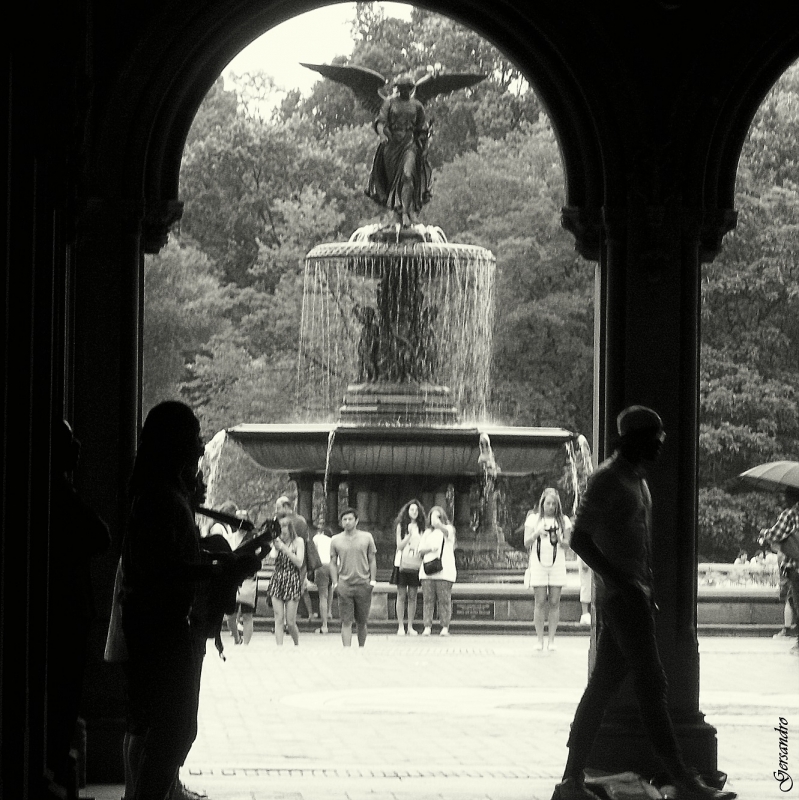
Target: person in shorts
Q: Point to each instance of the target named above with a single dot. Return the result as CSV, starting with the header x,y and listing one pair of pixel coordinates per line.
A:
x,y
353,569
410,525
546,535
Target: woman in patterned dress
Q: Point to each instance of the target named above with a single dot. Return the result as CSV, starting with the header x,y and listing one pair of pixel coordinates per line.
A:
x,y
285,587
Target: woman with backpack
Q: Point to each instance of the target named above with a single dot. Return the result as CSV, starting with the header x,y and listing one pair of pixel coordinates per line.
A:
x,y
409,525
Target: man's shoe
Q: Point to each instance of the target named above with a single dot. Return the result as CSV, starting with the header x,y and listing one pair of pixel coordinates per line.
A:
x,y
182,792
694,788
572,790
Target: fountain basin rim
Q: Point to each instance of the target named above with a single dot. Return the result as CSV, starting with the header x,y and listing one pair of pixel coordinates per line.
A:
x,y
452,251
402,432
398,450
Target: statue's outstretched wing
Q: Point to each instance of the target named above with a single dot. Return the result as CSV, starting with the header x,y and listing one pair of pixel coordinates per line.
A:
x,y
431,85
366,83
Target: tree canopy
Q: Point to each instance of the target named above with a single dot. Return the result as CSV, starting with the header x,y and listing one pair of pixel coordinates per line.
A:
x,y
224,298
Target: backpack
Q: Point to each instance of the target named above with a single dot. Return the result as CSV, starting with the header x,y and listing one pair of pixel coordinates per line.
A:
x,y
312,560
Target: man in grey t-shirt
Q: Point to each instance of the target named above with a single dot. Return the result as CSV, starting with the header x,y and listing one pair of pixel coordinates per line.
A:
x,y
353,570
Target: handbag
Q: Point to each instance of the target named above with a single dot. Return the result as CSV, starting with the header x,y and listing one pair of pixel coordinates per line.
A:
x,y
248,591
436,565
394,579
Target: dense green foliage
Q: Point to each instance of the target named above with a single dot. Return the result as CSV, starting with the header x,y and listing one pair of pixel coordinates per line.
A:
x,y
750,324
224,298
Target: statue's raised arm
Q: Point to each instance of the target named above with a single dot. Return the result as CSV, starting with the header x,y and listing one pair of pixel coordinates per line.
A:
x,y
400,178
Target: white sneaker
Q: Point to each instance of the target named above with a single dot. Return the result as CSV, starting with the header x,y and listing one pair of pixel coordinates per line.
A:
x,y
412,632
426,632
400,631
585,619
444,632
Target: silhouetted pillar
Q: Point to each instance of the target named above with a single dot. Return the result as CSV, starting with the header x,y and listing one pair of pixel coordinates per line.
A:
x,y
648,352
107,313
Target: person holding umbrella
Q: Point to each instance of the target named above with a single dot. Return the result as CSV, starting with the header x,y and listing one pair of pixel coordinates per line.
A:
x,y
785,531
781,476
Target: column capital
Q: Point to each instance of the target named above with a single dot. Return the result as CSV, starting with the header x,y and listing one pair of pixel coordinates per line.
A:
x,y
589,226
714,226
585,224
159,217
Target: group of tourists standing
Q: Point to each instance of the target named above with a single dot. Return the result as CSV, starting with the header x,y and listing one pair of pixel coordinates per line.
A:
x,y
425,557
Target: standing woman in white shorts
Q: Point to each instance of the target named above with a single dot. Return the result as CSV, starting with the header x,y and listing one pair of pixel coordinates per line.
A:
x,y
546,535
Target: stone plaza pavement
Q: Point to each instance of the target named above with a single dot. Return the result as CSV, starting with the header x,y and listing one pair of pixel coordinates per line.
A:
x,y
458,718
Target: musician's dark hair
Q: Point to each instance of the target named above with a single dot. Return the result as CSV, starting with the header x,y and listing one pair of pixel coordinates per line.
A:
x,y
348,510
167,444
403,518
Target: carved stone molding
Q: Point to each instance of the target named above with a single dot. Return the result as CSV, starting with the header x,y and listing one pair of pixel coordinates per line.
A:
x,y
159,218
586,227
715,225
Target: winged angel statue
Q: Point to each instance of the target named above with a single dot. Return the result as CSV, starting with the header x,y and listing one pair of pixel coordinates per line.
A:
x,y
400,178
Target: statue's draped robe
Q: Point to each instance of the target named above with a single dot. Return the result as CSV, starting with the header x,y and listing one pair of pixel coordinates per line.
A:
x,y
403,155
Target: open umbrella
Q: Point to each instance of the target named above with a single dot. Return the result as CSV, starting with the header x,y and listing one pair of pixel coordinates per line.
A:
x,y
776,476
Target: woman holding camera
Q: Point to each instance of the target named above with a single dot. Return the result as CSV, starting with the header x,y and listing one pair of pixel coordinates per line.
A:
x,y
285,587
546,535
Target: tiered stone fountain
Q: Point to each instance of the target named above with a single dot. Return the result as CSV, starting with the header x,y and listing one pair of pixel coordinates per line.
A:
x,y
399,324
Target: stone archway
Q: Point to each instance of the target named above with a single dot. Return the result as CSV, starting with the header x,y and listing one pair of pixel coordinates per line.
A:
x,y
648,197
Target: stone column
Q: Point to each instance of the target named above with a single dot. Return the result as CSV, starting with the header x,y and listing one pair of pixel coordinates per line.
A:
x,y
107,309
305,496
331,501
648,352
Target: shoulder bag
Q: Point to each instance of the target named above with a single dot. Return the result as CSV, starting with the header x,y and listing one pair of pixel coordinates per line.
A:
x,y
436,565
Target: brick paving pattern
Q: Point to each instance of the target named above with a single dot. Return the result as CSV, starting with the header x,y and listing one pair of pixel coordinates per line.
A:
x,y
472,716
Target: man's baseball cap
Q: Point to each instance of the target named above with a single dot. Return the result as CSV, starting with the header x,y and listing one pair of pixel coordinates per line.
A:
x,y
638,418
